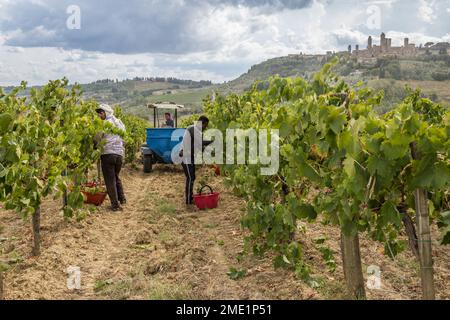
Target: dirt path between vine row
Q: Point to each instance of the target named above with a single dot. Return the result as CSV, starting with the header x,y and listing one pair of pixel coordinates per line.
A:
x,y
157,249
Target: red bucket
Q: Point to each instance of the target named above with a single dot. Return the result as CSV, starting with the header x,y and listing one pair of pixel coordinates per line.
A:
x,y
96,199
206,201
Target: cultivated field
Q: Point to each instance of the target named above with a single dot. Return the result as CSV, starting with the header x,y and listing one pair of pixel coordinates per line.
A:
x,y
156,249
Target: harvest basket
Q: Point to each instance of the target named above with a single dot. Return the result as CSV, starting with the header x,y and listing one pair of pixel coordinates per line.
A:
x,y
96,198
207,201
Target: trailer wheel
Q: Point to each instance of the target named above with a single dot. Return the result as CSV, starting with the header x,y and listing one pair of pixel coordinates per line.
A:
x,y
148,163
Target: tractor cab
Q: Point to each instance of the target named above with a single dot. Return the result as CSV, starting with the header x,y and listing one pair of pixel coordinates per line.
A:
x,y
159,111
161,140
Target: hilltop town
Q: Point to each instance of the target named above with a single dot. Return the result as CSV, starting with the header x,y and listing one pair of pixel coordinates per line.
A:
x,y
407,50
369,56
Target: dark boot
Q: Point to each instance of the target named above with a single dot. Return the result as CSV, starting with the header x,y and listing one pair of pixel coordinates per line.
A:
x,y
116,209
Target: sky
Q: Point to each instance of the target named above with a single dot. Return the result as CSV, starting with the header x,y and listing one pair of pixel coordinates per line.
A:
x,y
217,40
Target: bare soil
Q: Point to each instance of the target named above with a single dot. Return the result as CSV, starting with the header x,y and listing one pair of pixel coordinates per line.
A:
x,y
159,249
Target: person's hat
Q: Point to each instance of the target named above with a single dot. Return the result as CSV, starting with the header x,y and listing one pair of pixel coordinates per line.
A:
x,y
104,107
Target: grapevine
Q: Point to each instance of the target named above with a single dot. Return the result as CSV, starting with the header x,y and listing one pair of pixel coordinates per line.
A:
x,y
340,163
46,145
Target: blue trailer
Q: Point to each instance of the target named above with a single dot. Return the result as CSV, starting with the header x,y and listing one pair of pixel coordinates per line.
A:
x,y
161,142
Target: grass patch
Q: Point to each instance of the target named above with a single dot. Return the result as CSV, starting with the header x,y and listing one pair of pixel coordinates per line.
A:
x,y
166,236
236,274
211,225
334,290
166,208
162,207
120,290
164,291
15,258
151,219
150,196
101,285
3,267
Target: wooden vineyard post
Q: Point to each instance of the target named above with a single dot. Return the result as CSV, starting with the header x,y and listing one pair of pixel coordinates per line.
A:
x,y
65,197
99,171
351,258
411,233
2,293
36,224
424,237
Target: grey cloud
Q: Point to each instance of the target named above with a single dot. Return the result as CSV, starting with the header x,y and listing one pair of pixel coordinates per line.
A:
x,y
404,16
124,27
111,26
275,4
228,69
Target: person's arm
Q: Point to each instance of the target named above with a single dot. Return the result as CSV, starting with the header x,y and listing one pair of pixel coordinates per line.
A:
x,y
185,142
122,126
119,124
98,139
206,143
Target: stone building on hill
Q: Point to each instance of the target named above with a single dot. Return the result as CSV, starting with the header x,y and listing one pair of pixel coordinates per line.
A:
x,y
385,49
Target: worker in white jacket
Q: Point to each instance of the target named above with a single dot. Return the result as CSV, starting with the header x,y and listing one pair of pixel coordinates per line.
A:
x,y
112,157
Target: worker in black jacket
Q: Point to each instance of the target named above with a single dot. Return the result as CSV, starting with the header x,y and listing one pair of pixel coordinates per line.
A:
x,y
193,144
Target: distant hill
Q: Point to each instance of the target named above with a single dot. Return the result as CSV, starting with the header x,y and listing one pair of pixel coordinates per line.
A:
x,y
425,68
289,66
430,73
134,94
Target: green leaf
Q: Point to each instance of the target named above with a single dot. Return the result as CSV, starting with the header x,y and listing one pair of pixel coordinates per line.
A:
x,y
412,125
286,260
306,211
5,122
444,225
349,166
309,172
349,142
444,219
377,165
13,154
446,236
431,175
287,217
3,171
390,214
393,152
320,240
236,274
337,120
285,130
393,248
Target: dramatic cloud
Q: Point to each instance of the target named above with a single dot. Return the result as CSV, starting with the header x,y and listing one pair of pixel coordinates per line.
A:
x,y
132,26
197,39
274,4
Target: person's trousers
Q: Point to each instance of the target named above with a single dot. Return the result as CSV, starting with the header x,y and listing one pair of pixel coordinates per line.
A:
x,y
189,172
111,166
